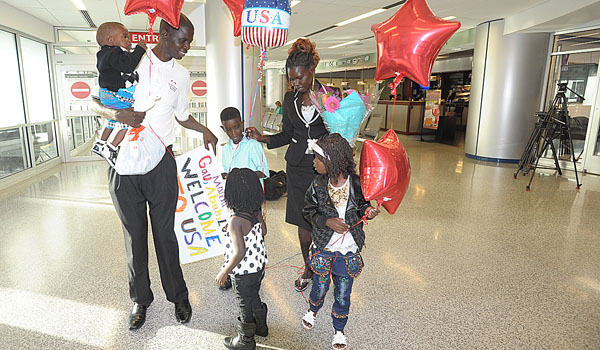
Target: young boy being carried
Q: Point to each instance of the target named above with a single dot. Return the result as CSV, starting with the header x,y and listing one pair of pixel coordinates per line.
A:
x,y
116,69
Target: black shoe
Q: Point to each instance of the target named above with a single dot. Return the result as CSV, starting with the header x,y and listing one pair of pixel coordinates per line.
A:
x,y
244,340
183,311
227,284
137,317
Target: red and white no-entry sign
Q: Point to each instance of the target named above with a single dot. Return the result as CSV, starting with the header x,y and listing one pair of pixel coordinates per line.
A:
x,y
199,88
80,89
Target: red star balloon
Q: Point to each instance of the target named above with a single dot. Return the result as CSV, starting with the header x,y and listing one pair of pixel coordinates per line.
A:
x,y
409,41
236,7
169,10
385,171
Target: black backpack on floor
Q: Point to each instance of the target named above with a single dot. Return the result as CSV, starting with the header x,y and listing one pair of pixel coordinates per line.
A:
x,y
275,185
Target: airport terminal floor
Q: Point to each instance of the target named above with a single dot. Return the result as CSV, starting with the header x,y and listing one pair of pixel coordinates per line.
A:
x,y
469,261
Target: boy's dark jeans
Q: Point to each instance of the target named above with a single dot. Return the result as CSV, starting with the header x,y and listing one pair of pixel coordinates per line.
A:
x,y
246,288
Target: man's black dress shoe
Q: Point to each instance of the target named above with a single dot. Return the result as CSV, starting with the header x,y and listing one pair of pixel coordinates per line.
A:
x,y
183,311
137,317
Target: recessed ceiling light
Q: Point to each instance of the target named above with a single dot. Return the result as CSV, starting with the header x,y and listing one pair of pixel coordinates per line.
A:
x,y
358,18
344,44
447,18
291,41
79,4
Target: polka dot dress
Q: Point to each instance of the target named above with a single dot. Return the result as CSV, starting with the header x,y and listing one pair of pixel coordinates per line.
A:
x,y
256,255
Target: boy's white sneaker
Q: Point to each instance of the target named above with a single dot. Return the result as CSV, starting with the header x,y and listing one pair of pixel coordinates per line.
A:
x,y
98,147
109,153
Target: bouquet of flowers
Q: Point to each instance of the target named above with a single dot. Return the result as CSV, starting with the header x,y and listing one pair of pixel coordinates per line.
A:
x,y
344,112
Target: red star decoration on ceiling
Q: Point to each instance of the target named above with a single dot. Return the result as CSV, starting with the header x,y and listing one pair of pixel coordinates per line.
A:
x,y
409,42
236,7
169,10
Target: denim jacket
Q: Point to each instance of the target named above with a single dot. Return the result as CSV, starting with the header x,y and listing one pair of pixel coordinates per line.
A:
x,y
318,207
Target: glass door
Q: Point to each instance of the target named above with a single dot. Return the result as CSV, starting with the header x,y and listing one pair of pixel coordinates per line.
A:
x,y
78,123
575,61
592,157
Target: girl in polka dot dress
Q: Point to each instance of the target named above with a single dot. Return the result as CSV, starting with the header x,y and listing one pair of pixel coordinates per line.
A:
x,y
245,256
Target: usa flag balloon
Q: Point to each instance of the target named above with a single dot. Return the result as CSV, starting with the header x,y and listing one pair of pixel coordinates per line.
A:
x,y
265,23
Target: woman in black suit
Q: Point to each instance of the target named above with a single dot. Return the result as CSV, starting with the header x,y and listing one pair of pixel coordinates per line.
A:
x,y
301,122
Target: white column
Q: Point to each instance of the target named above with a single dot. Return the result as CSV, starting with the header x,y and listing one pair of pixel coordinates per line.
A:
x,y
506,87
250,74
228,78
274,81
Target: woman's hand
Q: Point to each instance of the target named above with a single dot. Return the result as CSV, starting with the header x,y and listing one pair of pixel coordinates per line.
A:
x,y
221,278
252,133
337,224
372,212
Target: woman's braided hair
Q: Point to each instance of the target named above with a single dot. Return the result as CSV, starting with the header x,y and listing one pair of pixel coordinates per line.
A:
x,y
339,158
243,191
303,53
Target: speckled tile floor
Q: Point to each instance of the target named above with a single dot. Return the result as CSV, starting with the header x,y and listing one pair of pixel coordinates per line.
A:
x,y
469,261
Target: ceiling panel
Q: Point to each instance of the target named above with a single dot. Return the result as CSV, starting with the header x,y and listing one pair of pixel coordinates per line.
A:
x,y
43,14
69,18
24,3
61,4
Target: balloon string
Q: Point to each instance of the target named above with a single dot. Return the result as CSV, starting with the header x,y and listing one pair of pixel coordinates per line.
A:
x,y
393,87
363,220
251,110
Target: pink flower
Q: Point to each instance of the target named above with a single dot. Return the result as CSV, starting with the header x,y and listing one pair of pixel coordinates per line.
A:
x,y
332,104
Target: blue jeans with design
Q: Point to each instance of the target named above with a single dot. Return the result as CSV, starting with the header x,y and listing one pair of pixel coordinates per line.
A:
x,y
342,269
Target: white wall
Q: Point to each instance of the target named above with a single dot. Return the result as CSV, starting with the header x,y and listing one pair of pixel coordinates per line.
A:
x,y
18,20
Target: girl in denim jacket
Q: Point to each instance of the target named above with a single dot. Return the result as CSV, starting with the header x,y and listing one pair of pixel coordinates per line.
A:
x,y
336,208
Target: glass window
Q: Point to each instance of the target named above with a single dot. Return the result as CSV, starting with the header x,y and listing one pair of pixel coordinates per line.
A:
x,y
37,81
589,39
10,89
13,157
78,131
82,36
579,71
44,142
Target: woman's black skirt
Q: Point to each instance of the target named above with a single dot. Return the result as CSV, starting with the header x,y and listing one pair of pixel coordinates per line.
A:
x,y
299,177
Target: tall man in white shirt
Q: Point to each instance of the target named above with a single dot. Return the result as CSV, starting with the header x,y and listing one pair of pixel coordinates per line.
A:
x,y
158,189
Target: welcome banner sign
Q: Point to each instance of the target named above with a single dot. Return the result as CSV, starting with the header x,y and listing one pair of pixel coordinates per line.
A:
x,y
201,216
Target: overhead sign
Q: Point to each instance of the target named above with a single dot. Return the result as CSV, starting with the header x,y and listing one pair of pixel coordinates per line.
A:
x,y
199,88
135,37
80,89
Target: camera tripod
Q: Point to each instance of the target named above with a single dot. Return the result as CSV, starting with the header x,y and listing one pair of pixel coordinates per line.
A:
x,y
551,125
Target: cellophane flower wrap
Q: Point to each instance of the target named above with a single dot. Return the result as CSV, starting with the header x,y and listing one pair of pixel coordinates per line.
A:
x,y
344,112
